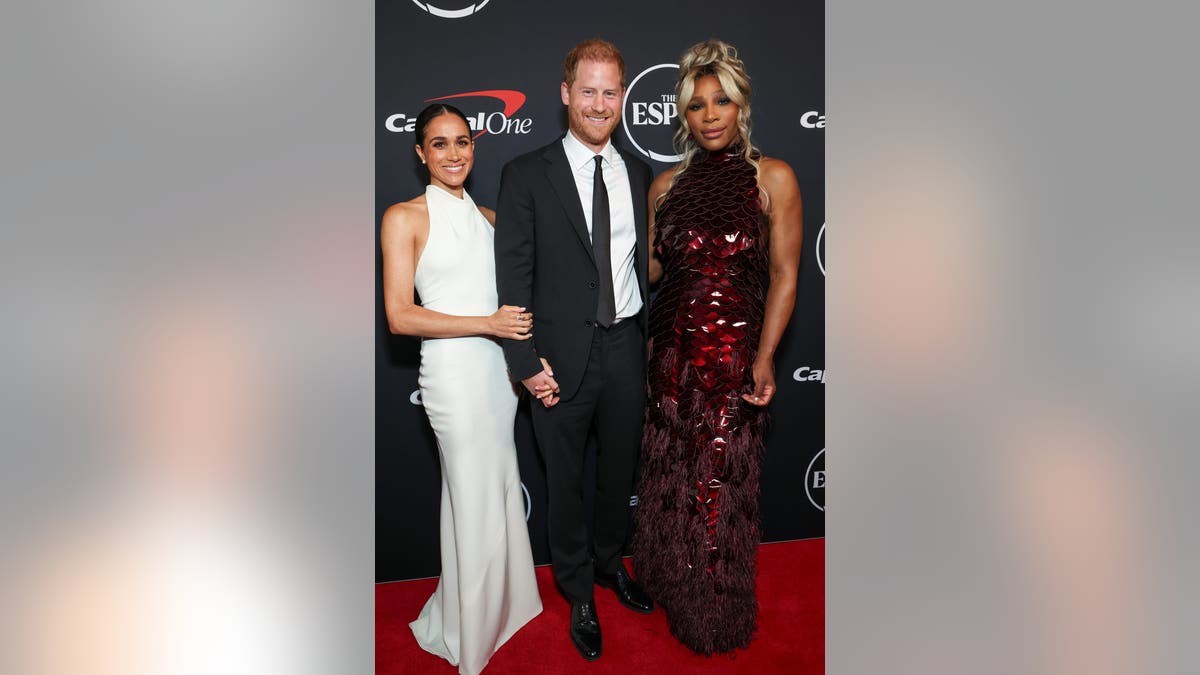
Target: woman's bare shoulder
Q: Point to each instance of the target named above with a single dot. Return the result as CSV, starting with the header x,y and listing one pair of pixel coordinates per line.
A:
x,y
775,171
661,181
404,218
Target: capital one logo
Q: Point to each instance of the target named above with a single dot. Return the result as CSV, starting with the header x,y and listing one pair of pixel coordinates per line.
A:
x,y
482,122
814,481
813,119
809,374
450,9
650,110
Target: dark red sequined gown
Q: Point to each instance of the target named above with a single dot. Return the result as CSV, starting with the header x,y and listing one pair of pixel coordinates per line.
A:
x,y
697,516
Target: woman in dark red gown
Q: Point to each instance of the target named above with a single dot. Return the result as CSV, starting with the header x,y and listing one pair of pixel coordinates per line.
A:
x,y
725,220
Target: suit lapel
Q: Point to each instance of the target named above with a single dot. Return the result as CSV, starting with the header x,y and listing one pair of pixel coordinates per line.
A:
x,y
562,179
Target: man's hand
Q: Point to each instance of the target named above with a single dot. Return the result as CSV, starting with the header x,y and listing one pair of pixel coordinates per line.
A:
x,y
542,386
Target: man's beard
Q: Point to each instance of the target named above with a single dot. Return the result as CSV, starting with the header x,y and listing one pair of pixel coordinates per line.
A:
x,y
590,133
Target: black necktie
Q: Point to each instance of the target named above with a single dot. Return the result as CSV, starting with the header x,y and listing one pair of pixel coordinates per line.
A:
x,y
606,310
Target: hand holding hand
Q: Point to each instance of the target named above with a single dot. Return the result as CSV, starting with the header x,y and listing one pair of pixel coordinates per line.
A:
x,y
543,386
511,322
763,373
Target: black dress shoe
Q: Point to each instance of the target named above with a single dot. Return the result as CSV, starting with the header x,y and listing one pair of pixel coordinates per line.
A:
x,y
585,629
628,592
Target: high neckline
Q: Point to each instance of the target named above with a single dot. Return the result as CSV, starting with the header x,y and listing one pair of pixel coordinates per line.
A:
x,y
447,193
729,152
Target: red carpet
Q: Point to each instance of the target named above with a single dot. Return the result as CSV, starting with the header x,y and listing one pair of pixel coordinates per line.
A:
x,y
790,638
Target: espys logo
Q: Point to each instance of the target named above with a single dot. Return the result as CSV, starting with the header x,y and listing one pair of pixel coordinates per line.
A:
x,y
449,9
809,374
821,249
481,122
650,109
814,481
813,119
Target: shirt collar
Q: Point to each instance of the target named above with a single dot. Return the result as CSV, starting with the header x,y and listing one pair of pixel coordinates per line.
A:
x,y
579,155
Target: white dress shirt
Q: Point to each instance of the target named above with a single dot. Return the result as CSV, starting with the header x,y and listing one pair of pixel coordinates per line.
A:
x,y
620,208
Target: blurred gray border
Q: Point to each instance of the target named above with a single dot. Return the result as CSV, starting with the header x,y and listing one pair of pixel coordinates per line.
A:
x,y
1011,263
1012,317
164,162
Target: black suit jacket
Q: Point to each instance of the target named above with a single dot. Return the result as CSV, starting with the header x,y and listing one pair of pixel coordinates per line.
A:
x,y
544,261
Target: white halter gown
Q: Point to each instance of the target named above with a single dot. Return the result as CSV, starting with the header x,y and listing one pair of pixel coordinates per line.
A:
x,y
487,590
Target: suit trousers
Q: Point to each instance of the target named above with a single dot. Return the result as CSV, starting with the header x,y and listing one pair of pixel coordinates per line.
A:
x,y
611,399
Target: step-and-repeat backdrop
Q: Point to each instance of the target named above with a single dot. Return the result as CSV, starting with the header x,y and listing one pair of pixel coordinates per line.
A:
x,y
500,62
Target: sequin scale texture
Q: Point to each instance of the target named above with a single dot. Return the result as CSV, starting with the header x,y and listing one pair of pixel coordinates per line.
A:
x,y
697,517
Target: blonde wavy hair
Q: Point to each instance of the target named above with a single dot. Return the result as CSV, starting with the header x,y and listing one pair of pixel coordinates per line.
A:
x,y
719,59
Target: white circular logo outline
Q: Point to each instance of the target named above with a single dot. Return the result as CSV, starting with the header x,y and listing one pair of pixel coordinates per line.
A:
x,y
820,261
451,13
625,119
528,501
807,473
415,398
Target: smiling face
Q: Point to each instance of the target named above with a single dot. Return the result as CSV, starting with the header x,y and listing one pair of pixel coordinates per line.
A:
x,y
711,115
594,102
448,152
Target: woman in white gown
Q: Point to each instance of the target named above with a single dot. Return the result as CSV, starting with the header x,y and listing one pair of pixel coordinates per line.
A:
x,y
440,245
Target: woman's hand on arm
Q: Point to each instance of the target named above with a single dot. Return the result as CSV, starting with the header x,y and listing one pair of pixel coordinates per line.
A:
x,y
511,322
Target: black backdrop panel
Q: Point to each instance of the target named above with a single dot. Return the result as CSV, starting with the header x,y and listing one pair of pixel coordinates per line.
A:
x,y
500,61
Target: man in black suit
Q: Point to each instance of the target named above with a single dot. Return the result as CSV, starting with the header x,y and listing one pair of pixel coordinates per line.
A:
x,y
571,247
